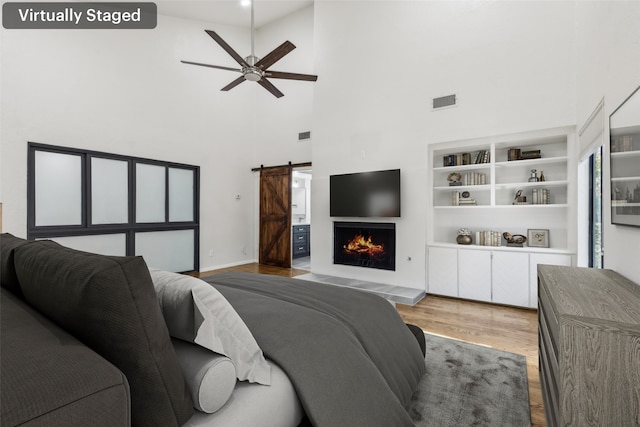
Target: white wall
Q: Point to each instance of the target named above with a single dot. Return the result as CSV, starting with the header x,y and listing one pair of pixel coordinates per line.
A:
x,y
515,66
126,92
278,121
511,64
608,66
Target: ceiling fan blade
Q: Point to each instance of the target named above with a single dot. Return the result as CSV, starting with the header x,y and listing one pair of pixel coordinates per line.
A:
x,y
270,87
239,59
290,76
234,83
212,66
275,55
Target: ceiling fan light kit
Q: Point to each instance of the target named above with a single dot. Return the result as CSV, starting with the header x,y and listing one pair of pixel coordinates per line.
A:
x,y
253,68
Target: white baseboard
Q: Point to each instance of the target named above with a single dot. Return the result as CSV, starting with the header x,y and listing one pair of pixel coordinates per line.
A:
x,y
231,264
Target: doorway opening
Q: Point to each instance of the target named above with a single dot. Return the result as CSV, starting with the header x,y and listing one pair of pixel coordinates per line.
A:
x,y
595,209
301,219
590,251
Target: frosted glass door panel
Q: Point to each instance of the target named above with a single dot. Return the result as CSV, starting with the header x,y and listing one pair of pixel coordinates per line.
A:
x,y
167,250
58,180
180,194
109,191
150,193
103,244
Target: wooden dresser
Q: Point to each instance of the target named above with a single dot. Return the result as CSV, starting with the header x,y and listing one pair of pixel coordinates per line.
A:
x,y
589,347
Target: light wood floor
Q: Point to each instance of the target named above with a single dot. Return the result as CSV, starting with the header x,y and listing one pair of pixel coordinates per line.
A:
x,y
505,328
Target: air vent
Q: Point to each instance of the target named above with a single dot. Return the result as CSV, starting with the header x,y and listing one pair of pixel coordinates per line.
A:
x,y
303,136
444,101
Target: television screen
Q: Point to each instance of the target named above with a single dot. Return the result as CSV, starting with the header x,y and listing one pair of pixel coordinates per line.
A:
x,y
366,194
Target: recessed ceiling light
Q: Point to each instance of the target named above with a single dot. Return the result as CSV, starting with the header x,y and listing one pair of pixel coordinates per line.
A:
x,y
245,3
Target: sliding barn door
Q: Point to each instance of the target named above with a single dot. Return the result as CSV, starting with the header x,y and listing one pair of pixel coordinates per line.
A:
x,y
275,216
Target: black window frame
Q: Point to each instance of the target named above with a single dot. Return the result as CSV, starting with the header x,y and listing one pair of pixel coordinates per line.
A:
x,y
131,227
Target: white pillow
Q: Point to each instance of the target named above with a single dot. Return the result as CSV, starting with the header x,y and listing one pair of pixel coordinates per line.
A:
x,y
211,377
196,312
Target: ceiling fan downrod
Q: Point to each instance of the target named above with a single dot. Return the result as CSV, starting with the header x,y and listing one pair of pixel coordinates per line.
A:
x,y
252,73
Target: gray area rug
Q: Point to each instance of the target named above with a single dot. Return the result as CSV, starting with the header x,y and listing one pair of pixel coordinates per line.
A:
x,y
471,385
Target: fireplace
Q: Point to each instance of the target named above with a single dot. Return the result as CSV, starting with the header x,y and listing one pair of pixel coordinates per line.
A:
x,y
365,244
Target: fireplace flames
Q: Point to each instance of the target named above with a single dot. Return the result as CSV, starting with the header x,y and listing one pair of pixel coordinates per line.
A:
x,y
361,245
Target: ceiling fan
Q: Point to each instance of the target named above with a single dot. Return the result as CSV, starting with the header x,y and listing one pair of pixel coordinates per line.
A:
x,y
256,69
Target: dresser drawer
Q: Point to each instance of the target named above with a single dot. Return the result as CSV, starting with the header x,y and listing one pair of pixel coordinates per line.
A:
x,y
545,310
301,228
300,249
300,239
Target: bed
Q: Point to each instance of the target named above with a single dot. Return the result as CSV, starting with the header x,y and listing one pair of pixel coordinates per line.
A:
x,y
337,356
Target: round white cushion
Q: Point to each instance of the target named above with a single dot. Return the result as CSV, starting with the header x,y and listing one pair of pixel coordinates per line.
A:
x,y
211,377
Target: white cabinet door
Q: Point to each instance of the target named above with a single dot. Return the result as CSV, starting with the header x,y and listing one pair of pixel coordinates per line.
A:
x,y
510,278
443,271
474,274
534,260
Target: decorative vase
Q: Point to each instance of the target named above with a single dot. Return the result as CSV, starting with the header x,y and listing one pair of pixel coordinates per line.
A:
x,y
463,239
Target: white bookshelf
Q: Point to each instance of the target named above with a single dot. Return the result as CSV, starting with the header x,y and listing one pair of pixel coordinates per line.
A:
x,y
494,209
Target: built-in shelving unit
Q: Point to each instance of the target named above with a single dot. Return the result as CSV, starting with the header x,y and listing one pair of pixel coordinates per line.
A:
x,y
491,204
625,175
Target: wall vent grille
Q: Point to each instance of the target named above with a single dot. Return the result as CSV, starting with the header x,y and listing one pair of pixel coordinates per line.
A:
x,y
444,101
303,136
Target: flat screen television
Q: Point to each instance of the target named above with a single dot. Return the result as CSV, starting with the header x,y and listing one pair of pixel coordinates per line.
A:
x,y
365,194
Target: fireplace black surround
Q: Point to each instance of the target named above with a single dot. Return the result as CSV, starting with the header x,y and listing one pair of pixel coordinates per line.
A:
x,y
365,244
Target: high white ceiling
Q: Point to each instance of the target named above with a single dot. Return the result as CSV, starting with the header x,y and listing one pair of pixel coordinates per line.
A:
x,y
231,12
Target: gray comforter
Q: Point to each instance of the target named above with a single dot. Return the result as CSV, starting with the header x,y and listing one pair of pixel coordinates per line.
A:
x,y
348,353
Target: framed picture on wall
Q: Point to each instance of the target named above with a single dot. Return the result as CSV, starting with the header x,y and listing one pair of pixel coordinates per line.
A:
x,y
538,238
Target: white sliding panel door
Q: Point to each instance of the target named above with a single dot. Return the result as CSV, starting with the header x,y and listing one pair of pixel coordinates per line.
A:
x,y
113,204
103,244
167,250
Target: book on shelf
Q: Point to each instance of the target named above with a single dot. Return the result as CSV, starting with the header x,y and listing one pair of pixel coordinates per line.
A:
x,y
457,200
531,154
513,154
458,159
474,178
461,159
622,143
540,196
482,157
488,238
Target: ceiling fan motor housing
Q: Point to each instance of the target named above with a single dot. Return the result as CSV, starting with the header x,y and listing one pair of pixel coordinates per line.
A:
x,y
252,73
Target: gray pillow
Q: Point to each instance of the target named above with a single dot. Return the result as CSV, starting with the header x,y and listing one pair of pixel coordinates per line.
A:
x,y
211,377
109,303
8,244
196,312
